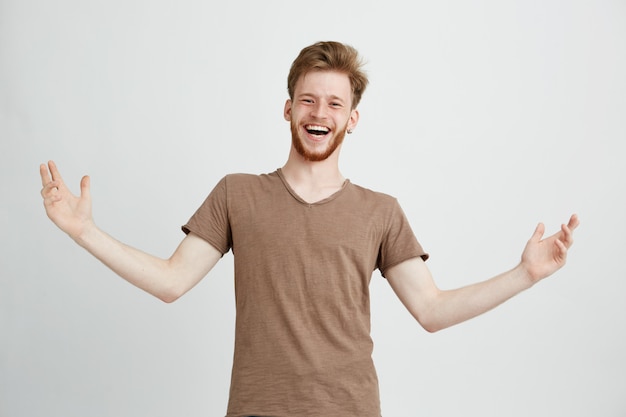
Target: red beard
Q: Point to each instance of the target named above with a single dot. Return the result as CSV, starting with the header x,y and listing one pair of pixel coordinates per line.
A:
x,y
315,156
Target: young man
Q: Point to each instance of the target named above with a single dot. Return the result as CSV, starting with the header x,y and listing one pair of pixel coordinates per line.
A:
x,y
305,242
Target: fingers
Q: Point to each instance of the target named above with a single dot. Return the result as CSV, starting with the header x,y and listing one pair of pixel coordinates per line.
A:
x,y
562,250
50,184
45,174
50,191
50,173
567,237
573,222
54,170
53,187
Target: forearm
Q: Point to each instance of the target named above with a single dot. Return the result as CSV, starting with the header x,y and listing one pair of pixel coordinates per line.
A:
x,y
450,307
151,274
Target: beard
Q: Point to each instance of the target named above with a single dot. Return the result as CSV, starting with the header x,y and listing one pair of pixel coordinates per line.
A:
x,y
313,156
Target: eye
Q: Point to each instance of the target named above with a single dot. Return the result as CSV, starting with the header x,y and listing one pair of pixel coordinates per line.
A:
x,y
336,105
307,100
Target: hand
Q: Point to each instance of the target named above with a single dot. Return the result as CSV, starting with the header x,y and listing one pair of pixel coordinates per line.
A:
x,y
542,258
70,213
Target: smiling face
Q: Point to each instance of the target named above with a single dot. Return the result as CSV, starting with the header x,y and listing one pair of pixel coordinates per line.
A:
x,y
320,114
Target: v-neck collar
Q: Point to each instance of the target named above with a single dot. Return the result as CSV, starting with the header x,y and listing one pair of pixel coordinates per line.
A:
x,y
304,202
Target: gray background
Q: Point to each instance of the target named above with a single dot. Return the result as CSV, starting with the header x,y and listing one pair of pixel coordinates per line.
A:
x,y
483,118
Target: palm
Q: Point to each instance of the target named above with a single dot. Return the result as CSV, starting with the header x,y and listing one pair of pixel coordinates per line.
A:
x,y
69,212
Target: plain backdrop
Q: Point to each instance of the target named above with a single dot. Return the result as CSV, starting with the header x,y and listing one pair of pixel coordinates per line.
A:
x,y
482,117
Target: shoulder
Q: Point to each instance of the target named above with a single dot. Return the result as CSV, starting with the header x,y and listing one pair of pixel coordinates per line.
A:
x,y
242,185
364,194
247,180
376,204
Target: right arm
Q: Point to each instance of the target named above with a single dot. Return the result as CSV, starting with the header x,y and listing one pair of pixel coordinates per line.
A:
x,y
166,279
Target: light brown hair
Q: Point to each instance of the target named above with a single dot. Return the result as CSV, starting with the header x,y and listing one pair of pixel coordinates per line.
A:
x,y
330,56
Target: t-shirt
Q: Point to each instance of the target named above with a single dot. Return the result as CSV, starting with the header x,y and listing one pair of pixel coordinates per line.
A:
x,y
302,274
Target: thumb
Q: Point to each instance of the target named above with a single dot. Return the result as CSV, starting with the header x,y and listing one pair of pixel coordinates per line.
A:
x,y
538,234
84,187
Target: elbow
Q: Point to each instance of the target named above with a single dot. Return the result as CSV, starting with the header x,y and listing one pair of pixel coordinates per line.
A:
x,y
432,328
168,298
171,287
430,322
432,315
169,295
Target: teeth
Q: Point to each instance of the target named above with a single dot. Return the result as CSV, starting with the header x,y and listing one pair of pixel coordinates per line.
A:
x,y
317,128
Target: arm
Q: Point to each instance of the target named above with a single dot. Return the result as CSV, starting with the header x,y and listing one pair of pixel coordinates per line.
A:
x,y
436,309
166,279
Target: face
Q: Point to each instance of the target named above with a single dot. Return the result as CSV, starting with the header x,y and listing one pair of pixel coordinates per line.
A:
x,y
320,114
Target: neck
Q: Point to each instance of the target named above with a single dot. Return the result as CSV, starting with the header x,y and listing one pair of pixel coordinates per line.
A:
x,y
319,173
313,181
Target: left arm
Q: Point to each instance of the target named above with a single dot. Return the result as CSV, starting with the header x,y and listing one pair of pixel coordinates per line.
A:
x,y
437,309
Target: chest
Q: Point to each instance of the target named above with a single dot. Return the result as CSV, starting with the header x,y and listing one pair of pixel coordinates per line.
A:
x,y
284,227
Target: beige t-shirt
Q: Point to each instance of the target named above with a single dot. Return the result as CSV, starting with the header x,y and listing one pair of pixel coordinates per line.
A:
x,y
302,273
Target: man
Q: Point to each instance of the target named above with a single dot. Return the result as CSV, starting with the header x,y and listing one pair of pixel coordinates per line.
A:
x,y
305,242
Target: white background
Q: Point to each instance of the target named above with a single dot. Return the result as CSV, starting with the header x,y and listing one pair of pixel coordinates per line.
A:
x,y
482,117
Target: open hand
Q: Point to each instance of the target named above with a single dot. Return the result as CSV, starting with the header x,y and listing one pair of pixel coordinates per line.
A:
x,y
70,213
543,257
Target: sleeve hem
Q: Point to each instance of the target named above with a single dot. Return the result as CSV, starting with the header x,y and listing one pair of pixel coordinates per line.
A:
x,y
187,229
384,268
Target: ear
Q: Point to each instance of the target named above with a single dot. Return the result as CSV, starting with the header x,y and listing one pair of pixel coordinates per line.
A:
x,y
354,119
287,110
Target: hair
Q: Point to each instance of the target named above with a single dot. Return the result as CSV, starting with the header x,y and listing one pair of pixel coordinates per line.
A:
x,y
330,56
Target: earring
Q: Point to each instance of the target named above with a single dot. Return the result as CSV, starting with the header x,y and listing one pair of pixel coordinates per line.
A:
x,y
349,131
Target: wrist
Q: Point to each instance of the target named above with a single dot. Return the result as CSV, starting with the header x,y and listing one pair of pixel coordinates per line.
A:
x,y
524,276
85,234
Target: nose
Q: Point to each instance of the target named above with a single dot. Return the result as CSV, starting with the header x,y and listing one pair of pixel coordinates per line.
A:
x,y
319,110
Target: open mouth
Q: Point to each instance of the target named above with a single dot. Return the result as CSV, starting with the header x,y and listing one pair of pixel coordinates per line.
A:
x,y
317,130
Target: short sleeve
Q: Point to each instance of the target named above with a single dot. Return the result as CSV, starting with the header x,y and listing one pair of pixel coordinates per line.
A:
x,y
211,220
399,242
